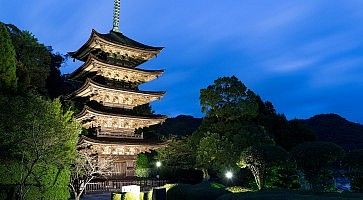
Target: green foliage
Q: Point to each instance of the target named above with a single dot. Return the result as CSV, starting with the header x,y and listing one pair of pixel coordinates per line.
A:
x,y
143,172
353,162
231,116
8,80
116,196
144,164
228,97
180,126
287,134
38,141
142,161
178,154
212,151
283,175
238,189
314,159
259,158
37,68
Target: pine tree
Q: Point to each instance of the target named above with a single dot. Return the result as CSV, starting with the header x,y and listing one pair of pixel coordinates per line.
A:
x,y
8,80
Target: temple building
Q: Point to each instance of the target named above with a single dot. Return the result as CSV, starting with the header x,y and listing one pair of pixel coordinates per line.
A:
x,y
109,93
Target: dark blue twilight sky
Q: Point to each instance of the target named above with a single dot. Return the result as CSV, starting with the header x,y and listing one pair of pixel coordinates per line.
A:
x,y
305,56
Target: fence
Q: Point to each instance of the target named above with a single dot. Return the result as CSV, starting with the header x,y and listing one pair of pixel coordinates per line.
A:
x,y
115,186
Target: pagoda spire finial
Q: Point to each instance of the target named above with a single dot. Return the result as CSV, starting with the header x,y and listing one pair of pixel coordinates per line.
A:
x,y
116,16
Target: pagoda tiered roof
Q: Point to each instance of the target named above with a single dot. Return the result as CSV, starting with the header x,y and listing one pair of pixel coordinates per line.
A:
x,y
117,44
115,97
95,66
115,124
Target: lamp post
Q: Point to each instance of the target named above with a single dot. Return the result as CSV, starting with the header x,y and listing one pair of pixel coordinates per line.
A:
x,y
158,165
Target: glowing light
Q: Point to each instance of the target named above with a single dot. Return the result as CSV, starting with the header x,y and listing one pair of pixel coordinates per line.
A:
x,y
229,175
158,164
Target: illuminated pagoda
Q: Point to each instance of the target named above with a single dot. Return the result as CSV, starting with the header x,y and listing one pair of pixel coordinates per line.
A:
x,y
109,93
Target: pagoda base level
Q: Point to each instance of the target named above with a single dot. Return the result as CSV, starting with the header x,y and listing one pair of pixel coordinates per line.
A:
x,y
121,166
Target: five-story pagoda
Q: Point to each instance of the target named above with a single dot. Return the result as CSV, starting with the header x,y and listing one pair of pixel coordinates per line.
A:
x,y
113,106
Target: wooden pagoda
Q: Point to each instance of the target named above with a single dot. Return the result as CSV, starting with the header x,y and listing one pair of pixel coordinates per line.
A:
x,y
109,91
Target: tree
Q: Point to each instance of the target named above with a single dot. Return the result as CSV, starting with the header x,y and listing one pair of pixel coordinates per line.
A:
x,y
38,68
353,162
314,159
231,110
85,168
8,78
38,141
214,152
178,154
227,99
144,164
258,158
286,134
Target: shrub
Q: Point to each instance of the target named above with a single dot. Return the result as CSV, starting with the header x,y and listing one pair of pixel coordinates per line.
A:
x,y
203,191
314,159
238,189
282,176
143,172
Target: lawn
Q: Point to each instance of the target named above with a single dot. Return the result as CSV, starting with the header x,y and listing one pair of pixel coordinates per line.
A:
x,y
282,195
213,191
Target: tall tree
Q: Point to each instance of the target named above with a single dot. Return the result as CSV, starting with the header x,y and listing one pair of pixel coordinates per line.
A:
x,y
231,110
38,142
8,78
38,68
212,153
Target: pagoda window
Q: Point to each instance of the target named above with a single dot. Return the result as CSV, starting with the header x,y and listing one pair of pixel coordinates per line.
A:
x,y
130,164
114,123
115,99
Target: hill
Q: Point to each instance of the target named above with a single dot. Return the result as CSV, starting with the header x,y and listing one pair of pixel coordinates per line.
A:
x,y
334,128
181,125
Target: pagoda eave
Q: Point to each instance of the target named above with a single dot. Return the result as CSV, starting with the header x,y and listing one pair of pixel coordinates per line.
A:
x,y
91,118
117,142
115,72
113,97
115,43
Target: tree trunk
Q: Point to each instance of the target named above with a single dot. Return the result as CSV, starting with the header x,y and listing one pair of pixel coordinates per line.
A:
x,y
206,176
77,197
256,176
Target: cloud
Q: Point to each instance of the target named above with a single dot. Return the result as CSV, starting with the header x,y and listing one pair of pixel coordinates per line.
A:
x,y
282,17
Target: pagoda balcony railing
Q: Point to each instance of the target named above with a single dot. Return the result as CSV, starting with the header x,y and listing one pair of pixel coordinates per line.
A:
x,y
120,135
116,185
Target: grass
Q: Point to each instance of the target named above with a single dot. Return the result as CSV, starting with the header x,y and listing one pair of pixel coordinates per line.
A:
x,y
213,191
287,195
